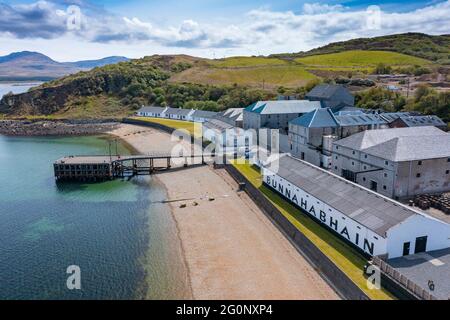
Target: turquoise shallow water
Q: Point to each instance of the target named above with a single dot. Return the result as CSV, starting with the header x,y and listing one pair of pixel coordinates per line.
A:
x,y
118,233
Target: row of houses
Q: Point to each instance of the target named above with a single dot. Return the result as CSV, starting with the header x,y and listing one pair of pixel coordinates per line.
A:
x,y
176,114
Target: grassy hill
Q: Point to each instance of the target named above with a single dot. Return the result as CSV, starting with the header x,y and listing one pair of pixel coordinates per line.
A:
x,y
433,48
360,58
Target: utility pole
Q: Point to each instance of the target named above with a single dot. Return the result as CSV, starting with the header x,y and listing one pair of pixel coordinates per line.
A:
x,y
407,92
109,148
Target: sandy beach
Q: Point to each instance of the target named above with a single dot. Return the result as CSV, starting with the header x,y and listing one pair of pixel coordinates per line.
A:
x,y
231,249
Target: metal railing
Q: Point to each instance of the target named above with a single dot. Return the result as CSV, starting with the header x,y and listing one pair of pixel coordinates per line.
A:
x,y
407,283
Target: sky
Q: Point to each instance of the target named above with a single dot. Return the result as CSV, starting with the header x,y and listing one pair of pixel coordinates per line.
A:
x,y
71,30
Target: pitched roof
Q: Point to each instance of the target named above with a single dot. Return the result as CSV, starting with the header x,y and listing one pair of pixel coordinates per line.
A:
x,y
319,118
236,114
360,120
325,118
204,114
370,209
152,109
178,111
284,106
324,91
420,121
216,124
401,144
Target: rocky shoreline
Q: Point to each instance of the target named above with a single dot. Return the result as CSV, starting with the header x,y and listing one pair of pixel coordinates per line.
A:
x,y
56,127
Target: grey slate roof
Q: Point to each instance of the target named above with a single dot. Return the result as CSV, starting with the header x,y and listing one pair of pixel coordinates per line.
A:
x,y
152,109
325,118
420,121
366,207
216,124
391,116
177,111
204,114
284,106
401,144
323,91
359,120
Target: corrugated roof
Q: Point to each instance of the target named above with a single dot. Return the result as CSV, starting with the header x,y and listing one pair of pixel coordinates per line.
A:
x,y
366,207
284,106
401,144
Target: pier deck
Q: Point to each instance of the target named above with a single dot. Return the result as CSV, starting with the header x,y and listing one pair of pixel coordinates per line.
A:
x,y
99,168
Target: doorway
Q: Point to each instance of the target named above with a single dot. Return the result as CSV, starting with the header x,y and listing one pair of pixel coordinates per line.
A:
x,y
421,244
406,248
373,186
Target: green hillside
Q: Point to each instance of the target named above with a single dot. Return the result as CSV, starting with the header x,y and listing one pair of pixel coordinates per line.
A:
x,y
433,48
360,58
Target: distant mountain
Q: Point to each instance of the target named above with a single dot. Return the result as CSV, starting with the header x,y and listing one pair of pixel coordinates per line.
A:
x,y
90,64
27,65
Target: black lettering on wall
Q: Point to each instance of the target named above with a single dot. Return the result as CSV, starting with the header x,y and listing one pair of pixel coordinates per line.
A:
x,y
288,193
357,239
323,216
344,232
280,188
369,246
333,223
304,204
294,199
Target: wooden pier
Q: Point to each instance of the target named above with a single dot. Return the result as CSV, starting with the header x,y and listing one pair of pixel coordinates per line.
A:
x,y
100,168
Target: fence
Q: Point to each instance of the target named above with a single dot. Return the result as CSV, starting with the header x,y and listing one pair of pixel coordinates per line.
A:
x,y
343,284
402,280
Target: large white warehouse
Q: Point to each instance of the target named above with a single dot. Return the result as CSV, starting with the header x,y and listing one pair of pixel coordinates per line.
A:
x,y
375,224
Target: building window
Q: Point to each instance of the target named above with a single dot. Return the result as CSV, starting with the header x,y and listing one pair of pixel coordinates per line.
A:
x,y
420,163
384,188
354,152
386,162
337,147
365,168
447,172
335,168
353,163
418,175
364,179
385,175
365,156
336,157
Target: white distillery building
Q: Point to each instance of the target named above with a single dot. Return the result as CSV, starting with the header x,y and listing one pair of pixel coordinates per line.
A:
x,y
374,224
228,138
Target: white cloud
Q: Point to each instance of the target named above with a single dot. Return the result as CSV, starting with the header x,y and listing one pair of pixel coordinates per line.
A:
x,y
259,31
318,8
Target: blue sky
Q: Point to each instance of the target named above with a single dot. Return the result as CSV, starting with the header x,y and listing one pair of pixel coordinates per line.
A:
x,y
205,28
